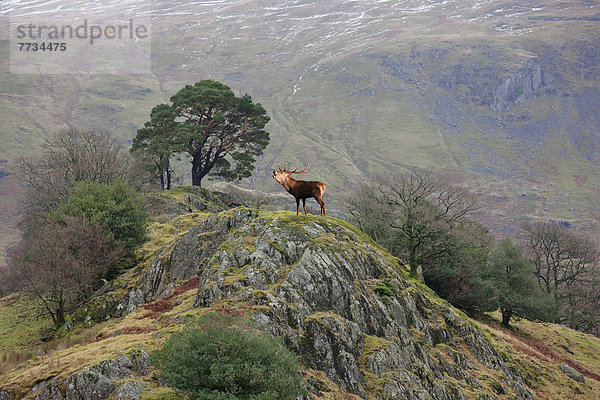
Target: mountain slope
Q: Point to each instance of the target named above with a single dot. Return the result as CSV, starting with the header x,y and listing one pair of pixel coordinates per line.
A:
x,y
503,93
359,326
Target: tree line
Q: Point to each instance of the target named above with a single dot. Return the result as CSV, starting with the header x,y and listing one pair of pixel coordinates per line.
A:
x,y
551,273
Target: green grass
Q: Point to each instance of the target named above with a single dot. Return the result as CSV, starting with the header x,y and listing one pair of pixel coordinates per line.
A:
x,y
539,348
20,328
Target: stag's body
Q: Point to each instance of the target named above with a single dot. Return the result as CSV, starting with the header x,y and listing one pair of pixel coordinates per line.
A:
x,y
301,190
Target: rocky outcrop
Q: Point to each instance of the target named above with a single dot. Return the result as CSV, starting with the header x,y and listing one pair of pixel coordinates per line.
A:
x,y
492,85
253,198
117,378
572,373
315,282
185,199
480,75
524,83
311,281
181,261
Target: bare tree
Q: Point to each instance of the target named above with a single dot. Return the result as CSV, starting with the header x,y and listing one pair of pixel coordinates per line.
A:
x,y
559,255
67,157
62,264
372,216
566,264
420,207
581,301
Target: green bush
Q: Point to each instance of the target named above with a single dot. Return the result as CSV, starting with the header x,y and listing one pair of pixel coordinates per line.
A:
x,y
385,289
117,208
517,290
217,358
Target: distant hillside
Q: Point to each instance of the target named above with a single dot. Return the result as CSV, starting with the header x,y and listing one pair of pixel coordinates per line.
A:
x,y
503,93
360,327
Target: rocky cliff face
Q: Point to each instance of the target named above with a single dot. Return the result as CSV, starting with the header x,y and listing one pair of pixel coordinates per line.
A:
x,y
495,82
343,304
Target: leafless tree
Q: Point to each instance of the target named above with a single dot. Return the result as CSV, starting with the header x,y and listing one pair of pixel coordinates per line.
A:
x,y
559,254
567,265
69,156
371,215
62,263
419,206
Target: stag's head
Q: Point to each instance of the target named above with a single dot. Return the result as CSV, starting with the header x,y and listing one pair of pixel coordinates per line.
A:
x,y
283,174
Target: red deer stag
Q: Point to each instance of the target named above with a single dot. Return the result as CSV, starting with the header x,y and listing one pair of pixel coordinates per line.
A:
x,y
301,190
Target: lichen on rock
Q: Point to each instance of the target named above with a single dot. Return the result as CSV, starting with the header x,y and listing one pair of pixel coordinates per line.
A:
x,y
312,281
116,377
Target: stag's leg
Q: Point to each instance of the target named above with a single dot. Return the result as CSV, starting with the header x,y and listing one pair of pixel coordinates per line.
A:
x,y
304,205
297,206
322,204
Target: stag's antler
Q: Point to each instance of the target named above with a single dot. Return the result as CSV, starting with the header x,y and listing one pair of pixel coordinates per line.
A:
x,y
304,171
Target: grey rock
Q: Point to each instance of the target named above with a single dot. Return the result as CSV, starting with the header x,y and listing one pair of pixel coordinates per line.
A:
x,y
200,243
89,384
194,199
140,361
131,389
47,390
102,380
572,373
130,302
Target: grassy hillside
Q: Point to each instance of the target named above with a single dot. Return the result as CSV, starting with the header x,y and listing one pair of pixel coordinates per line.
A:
x,y
541,349
457,346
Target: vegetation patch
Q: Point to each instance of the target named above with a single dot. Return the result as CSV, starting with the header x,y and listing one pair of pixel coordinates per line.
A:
x,y
162,393
372,344
20,326
167,303
160,234
385,290
536,349
323,388
217,358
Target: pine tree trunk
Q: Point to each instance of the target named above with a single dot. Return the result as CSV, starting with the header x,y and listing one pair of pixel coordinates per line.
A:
x,y
196,178
197,171
200,168
162,179
506,315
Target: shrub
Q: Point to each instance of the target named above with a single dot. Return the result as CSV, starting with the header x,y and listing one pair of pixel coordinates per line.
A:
x,y
117,208
518,292
385,289
217,358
